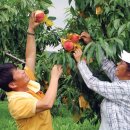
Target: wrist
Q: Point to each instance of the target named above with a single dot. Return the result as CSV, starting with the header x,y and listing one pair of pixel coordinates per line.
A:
x,y
32,34
30,30
78,60
55,78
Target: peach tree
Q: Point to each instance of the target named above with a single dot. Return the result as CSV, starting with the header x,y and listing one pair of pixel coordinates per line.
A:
x,y
14,17
108,23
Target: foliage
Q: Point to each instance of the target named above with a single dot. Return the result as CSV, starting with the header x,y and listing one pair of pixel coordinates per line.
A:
x,y
68,124
2,95
69,87
14,17
107,21
64,122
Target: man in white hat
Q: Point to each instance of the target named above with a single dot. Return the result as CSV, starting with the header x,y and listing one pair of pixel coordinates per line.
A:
x,y
115,108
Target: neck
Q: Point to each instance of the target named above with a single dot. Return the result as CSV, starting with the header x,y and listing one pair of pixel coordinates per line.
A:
x,y
21,88
124,78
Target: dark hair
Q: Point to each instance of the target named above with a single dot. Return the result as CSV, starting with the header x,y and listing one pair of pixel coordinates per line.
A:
x,y
6,75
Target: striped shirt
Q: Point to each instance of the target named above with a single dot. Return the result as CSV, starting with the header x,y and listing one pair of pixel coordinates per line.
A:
x,y
115,108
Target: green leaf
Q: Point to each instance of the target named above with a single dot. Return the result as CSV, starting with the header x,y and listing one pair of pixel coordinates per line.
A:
x,y
64,60
97,2
99,53
70,2
46,11
119,41
87,47
121,29
113,49
82,5
52,18
48,1
23,3
116,23
120,13
109,52
91,52
105,47
69,59
54,58
72,11
123,34
128,26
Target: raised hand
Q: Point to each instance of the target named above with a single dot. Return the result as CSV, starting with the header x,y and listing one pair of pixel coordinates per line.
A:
x,y
56,71
32,23
77,54
86,37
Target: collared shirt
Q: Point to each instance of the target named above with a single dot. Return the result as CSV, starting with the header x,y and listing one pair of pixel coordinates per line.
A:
x,y
22,107
115,108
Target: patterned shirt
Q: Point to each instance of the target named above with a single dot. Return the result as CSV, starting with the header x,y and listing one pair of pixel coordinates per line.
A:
x,y
116,105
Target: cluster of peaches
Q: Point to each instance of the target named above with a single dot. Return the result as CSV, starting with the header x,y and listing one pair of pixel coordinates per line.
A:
x,y
71,42
41,17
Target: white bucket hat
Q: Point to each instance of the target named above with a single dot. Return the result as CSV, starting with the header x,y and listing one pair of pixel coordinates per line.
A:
x,y
125,56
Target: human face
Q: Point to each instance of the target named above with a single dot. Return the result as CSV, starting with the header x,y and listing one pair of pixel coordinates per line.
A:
x,y
121,70
20,78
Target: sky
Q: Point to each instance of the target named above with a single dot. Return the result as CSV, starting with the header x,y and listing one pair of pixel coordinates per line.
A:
x,y
59,11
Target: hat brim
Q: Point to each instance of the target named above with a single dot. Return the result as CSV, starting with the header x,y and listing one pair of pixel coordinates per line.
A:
x,y
125,56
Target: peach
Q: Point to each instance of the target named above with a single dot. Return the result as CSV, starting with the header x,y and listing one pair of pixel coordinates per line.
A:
x,y
68,45
74,38
39,16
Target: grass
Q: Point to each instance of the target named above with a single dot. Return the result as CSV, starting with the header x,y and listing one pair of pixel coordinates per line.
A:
x,y
6,121
59,123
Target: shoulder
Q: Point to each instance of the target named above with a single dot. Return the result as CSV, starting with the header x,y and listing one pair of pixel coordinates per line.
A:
x,y
22,106
30,73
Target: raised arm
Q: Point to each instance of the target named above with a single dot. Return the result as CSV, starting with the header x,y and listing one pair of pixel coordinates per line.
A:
x,y
48,100
30,45
109,68
113,91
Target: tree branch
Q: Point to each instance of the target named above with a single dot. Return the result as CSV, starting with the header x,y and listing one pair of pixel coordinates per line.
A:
x,y
10,55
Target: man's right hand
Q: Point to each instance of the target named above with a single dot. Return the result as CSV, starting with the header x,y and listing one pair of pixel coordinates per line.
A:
x,y
86,37
56,71
48,100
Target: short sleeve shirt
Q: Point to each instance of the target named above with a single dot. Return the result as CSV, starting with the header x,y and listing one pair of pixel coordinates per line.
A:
x,y
22,107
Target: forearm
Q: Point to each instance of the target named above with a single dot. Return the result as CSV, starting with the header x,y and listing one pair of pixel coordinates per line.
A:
x,y
30,50
84,70
48,100
51,93
109,68
113,91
